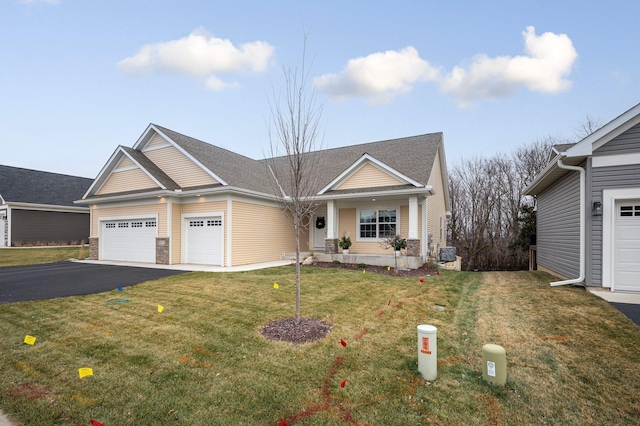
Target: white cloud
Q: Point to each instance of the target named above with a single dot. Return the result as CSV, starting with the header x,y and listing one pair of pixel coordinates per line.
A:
x,y
199,55
548,60
380,76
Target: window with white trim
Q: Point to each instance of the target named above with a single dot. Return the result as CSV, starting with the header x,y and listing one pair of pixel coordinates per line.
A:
x,y
378,223
629,211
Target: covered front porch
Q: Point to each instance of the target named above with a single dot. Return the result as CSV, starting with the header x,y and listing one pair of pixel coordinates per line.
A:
x,y
367,219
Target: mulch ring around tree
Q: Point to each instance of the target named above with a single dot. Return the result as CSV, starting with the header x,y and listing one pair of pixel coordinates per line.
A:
x,y
307,330
423,271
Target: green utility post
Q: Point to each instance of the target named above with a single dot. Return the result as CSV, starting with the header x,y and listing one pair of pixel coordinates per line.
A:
x,y
494,365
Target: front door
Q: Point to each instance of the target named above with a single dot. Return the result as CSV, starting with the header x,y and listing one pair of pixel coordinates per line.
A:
x,y
319,231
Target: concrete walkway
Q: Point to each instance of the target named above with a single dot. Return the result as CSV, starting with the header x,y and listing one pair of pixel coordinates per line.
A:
x,y
4,420
192,268
627,303
617,296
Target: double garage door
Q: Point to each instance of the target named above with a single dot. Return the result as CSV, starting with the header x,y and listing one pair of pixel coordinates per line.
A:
x,y
134,240
626,255
129,240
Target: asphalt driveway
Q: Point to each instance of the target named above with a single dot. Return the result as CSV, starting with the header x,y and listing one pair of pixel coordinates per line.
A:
x,y
35,282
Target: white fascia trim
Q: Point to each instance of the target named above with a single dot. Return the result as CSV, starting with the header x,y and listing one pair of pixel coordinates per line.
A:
x,y
607,132
2,200
180,194
616,160
609,214
541,176
426,191
366,158
179,148
108,166
47,207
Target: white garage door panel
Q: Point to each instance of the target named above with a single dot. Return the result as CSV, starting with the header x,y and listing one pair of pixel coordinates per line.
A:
x,y
129,240
2,233
627,246
204,240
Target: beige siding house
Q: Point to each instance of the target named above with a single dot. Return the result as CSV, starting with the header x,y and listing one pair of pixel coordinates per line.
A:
x,y
172,199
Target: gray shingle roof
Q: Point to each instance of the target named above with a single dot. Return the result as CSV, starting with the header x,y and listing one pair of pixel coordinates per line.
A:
x,y
412,156
36,187
235,169
151,167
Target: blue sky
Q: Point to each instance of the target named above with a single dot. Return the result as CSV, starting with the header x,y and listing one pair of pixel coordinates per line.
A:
x,y
78,78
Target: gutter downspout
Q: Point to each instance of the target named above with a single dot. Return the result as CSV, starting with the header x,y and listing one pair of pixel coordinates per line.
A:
x,y
582,225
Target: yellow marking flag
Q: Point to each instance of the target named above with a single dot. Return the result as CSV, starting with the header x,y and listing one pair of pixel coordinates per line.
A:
x,y
83,372
276,286
160,308
29,340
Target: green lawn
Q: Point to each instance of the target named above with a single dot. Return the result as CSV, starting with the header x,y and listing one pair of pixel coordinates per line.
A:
x,y
572,358
35,255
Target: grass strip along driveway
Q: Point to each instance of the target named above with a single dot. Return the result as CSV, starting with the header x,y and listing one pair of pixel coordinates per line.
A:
x,y
572,358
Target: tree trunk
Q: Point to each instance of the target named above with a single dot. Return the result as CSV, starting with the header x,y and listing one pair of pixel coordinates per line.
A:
x,y
297,226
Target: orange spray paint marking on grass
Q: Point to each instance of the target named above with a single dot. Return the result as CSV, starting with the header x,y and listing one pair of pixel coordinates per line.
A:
x,y
362,333
380,314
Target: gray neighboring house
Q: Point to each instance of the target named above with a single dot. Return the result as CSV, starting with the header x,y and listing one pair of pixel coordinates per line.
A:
x,y
37,208
588,203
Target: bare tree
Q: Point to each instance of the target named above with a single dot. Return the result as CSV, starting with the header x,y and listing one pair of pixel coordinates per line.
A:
x,y
293,141
587,127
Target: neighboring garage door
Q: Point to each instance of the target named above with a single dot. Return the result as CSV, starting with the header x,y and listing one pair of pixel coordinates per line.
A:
x,y
129,240
204,240
626,254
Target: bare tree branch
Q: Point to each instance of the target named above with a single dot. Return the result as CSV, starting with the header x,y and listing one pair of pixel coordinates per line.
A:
x,y
294,138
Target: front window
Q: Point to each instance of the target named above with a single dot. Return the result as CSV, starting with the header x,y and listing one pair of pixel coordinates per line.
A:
x,y
378,223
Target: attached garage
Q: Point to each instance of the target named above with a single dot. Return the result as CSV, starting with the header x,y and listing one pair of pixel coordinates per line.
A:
x,y
130,240
626,251
203,243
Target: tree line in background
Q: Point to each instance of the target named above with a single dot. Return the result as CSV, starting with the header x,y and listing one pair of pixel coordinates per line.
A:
x,y
491,220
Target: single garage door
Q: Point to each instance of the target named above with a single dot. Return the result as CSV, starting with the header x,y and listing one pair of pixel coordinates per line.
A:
x,y
204,240
129,240
627,246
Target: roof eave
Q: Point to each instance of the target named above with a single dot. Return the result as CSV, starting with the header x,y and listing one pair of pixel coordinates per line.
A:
x,y
425,190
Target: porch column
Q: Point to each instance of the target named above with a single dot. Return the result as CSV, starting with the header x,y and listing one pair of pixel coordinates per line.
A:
x,y
413,217
425,229
413,240
331,242
331,219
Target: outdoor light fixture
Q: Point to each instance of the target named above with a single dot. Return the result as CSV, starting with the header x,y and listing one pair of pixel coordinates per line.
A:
x,y
596,209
